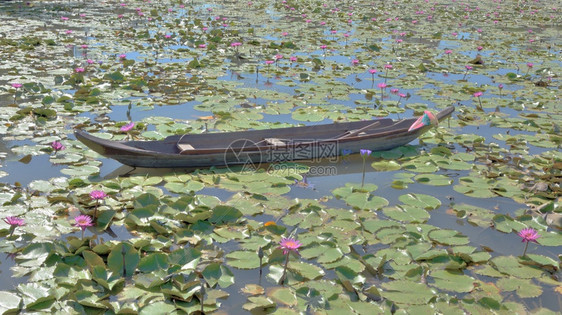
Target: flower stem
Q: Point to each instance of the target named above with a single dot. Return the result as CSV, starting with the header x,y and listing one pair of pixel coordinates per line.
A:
x,y
282,280
96,209
363,178
525,250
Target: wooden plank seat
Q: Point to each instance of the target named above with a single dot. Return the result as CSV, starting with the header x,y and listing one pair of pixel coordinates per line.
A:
x,y
275,142
184,147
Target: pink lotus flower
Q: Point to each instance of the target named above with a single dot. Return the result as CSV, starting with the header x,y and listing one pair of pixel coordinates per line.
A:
x,y
402,95
98,195
235,44
479,48
528,235
323,46
17,85
354,61
122,56
90,61
202,46
127,127
64,18
293,58
381,85
278,56
468,67
394,91
478,94
84,46
83,221
372,71
57,146
14,221
388,66
289,244
448,51
268,62
530,65
68,31
79,70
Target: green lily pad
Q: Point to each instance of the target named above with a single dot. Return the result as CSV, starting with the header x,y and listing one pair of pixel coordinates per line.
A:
x,y
452,281
407,292
524,287
448,237
386,165
421,200
243,259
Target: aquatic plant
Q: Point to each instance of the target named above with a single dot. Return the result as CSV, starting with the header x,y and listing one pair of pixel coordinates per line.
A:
x,y
288,245
83,221
364,154
528,235
14,222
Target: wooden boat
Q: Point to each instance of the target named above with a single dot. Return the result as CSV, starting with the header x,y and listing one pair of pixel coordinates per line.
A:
x,y
252,147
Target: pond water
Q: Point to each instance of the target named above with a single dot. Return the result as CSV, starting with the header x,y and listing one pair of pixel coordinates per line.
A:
x,y
434,227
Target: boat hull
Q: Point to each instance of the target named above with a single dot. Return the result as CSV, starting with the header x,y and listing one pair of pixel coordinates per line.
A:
x,y
248,150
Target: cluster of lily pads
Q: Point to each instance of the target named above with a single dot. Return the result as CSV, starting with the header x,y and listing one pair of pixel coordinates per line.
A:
x,y
216,239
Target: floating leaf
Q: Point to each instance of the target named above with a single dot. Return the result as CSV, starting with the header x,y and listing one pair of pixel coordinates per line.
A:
x,y
123,258
216,273
9,302
524,287
386,165
434,179
153,262
448,237
407,213
243,259
407,292
511,266
283,296
421,200
452,281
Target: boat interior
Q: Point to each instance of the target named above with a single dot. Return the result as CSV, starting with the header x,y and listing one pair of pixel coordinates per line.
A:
x,y
286,136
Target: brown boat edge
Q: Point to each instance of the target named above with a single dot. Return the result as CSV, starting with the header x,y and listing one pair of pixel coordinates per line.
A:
x,y
253,147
